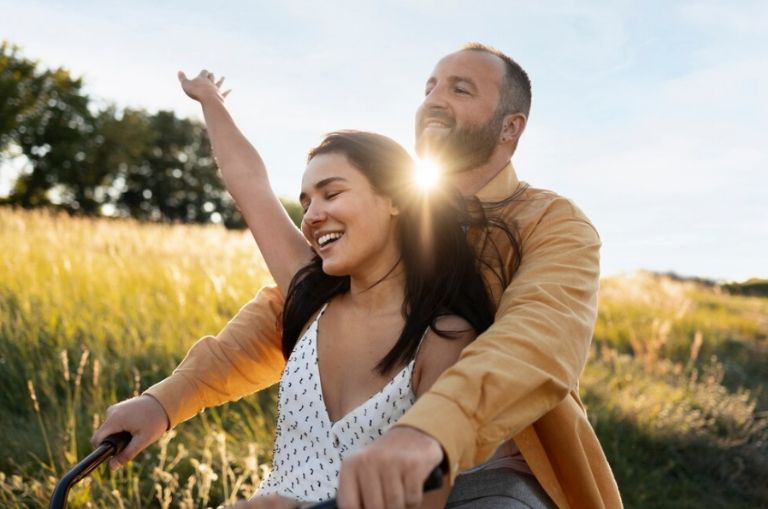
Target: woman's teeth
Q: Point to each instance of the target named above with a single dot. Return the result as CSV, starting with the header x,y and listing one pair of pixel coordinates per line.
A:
x,y
328,237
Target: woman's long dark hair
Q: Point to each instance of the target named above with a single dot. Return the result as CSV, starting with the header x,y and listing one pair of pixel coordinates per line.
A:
x,y
441,270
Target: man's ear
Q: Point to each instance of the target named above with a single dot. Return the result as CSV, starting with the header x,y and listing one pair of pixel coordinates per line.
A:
x,y
513,127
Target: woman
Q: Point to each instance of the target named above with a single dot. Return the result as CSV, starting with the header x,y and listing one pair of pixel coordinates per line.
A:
x,y
373,315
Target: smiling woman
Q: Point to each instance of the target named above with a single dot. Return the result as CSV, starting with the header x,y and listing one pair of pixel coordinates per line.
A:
x,y
356,316
379,272
347,223
366,222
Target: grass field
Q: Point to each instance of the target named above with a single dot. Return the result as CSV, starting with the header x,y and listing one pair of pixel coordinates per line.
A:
x,y
94,311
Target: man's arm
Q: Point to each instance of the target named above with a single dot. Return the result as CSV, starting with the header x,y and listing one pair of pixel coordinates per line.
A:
x,y
513,373
532,356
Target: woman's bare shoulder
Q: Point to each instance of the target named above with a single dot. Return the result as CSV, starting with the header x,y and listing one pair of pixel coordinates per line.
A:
x,y
440,349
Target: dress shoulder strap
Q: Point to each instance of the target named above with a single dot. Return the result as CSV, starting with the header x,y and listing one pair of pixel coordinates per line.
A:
x,y
313,323
322,310
421,341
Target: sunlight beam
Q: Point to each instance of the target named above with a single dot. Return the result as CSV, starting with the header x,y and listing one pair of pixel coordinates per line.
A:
x,y
426,174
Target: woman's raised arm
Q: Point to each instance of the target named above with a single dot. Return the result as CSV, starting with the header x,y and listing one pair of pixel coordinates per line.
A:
x,y
281,244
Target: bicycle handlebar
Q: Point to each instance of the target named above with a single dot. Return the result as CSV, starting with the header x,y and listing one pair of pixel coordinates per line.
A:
x,y
115,443
111,445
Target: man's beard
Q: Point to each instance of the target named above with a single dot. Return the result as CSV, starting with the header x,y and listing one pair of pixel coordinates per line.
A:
x,y
463,148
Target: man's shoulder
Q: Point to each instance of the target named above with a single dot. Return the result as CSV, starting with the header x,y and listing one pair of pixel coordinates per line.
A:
x,y
530,206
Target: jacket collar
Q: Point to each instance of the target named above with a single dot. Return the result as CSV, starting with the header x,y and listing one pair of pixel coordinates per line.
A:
x,y
501,186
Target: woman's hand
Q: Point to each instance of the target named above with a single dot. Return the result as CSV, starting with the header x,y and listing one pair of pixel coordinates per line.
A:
x,y
203,87
267,502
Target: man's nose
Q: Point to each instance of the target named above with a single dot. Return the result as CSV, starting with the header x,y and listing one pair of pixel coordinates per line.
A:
x,y
434,99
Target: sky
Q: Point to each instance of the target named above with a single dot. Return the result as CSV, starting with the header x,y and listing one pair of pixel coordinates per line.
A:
x,y
648,115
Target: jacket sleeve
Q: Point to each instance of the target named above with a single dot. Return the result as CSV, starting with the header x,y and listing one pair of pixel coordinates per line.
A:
x,y
243,358
533,354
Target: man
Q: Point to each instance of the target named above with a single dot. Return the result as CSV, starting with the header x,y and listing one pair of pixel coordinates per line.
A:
x,y
513,395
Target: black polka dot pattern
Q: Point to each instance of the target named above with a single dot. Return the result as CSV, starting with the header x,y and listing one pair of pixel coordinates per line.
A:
x,y
308,446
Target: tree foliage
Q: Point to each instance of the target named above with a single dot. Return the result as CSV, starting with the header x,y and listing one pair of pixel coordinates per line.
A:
x,y
46,115
166,171
19,87
122,162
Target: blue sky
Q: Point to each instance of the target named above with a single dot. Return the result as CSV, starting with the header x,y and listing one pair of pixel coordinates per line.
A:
x,y
649,115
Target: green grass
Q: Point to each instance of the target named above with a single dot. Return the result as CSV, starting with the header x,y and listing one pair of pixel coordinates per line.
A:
x,y
676,438
675,390
94,311
655,317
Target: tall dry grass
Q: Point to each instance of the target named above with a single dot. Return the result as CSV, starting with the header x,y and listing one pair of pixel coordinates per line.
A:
x,y
656,317
676,392
94,311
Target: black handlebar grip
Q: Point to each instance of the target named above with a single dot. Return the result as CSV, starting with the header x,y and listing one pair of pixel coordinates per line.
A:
x,y
118,441
111,445
435,480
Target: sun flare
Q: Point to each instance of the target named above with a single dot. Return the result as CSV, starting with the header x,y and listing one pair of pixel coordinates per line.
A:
x,y
426,174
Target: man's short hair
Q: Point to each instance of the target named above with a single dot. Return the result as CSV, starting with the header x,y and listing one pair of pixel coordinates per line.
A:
x,y
515,90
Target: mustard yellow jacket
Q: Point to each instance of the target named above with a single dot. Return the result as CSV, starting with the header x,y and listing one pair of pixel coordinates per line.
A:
x,y
518,379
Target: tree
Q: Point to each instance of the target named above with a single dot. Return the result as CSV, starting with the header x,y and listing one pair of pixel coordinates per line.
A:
x,y
147,166
121,162
294,209
46,115
120,140
175,177
19,88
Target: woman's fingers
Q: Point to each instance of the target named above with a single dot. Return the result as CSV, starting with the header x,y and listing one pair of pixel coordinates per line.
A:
x,y
218,86
203,86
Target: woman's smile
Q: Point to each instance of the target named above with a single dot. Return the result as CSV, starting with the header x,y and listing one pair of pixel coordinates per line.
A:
x,y
349,225
324,239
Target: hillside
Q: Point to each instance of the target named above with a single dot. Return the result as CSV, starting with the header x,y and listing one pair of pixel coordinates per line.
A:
x,y
676,392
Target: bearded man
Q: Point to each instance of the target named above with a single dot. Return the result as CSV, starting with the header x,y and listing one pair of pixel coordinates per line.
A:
x,y
505,422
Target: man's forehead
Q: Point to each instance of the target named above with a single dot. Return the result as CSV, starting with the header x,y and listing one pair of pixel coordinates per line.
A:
x,y
479,65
